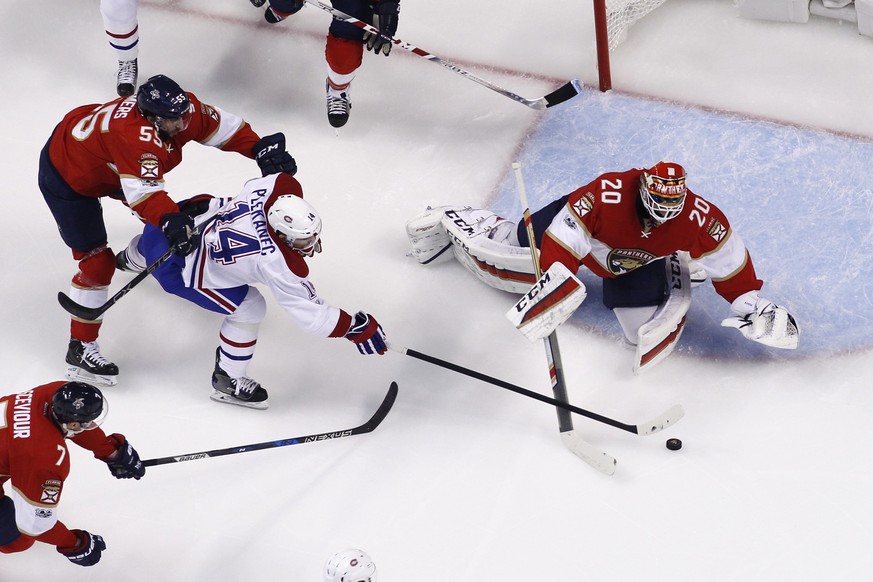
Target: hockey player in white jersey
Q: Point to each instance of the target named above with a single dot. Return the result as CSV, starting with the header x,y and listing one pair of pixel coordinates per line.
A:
x,y
262,235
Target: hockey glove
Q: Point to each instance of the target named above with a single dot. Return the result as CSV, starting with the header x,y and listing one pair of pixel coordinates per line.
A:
x,y
279,10
386,15
271,156
367,334
178,228
762,321
124,463
87,550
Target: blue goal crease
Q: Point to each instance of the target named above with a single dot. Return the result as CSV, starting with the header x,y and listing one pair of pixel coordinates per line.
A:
x,y
801,200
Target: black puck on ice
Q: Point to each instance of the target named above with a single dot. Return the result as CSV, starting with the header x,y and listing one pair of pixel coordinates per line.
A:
x,y
674,444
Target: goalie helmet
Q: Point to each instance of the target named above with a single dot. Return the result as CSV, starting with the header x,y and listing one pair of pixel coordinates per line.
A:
x,y
298,222
662,189
351,565
78,402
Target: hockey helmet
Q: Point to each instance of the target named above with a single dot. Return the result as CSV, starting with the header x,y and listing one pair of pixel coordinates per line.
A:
x,y
78,402
296,220
351,565
162,98
662,189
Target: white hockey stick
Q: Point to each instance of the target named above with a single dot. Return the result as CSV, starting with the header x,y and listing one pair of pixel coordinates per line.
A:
x,y
605,463
563,93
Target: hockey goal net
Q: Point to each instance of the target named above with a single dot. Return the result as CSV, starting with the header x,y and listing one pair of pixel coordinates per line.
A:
x,y
612,19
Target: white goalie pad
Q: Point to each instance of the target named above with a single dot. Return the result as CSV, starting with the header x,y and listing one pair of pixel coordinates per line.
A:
x,y
657,337
428,238
548,304
775,328
478,240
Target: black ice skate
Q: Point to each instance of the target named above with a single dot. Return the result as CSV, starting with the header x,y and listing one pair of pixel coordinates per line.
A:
x,y
125,79
123,263
240,391
87,364
338,107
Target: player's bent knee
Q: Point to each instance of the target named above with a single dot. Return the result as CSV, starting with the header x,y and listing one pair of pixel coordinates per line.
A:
x,y
96,268
253,309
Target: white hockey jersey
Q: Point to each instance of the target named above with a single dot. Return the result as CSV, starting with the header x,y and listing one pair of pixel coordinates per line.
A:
x,y
238,248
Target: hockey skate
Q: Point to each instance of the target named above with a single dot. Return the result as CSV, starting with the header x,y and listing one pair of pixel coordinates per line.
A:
x,y
125,79
241,391
123,263
87,364
338,106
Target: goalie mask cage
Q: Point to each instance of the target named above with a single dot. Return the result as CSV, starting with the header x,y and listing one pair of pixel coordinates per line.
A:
x,y
612,19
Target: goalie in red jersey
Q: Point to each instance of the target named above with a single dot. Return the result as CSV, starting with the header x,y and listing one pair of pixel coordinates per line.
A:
x,y
123,149
35,462
643,232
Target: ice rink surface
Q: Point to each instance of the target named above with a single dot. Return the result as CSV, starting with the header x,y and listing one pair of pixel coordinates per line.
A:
x,y
465,481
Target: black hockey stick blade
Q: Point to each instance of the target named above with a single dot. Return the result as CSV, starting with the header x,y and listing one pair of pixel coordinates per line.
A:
x,y
563,93
368,426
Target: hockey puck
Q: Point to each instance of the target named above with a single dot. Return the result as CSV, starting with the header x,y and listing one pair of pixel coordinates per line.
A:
x,y
674,444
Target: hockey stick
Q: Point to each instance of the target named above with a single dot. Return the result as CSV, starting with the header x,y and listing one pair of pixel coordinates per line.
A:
x,y
553,353
556,97
368,426
664,420
91,313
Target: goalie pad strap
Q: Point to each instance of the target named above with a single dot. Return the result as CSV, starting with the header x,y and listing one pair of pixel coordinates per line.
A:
x,y
477,242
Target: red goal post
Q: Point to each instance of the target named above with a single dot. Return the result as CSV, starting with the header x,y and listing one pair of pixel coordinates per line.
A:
x,y
612,18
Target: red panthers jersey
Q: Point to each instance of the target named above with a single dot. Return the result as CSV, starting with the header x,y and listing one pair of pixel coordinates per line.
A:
x,y
101,148
601,226
34,460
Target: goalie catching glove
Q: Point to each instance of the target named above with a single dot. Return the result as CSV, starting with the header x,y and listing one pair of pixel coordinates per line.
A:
x,y
367,334
763,321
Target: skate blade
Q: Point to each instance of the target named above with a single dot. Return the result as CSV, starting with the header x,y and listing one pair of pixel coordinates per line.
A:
x,y
77,374
219,396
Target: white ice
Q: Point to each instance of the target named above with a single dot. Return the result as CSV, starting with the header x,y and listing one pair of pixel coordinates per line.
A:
x,y
465,481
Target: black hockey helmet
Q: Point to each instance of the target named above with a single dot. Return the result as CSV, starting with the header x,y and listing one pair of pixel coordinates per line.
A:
x,y
162,97
77,402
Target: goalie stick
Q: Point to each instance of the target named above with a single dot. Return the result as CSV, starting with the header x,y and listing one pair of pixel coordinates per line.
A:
x,y
664,420
368,426
91,313
571,439
563,93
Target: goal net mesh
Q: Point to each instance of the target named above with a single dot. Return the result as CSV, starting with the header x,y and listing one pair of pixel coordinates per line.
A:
x,y
621,14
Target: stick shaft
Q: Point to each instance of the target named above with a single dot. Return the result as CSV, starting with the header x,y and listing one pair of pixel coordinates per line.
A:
x,y
368,426
565,92
563,405
553,352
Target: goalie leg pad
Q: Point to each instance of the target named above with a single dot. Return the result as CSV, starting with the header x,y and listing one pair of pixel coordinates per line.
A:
x,y
657,338
481,241
429,241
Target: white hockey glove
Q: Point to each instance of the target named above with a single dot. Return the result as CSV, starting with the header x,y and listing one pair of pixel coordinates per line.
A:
x,y
761,320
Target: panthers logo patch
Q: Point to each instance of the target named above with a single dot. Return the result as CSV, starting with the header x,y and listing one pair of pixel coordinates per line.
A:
x,y
149,166
716,230
51,491
620,261
582,206
208,110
